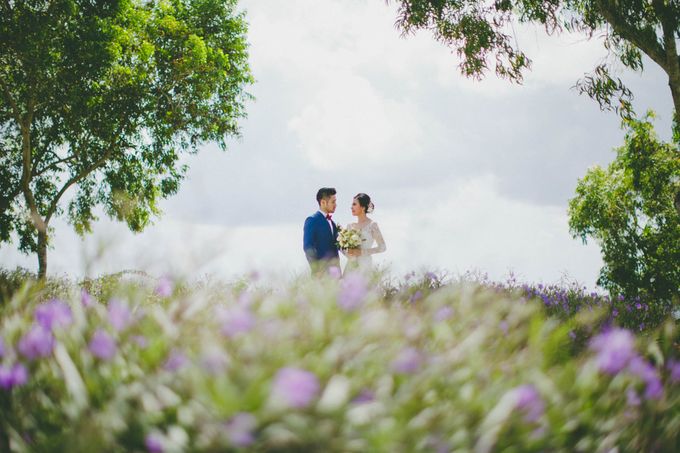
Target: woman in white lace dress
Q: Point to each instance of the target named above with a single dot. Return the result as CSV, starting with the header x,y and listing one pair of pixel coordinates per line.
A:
x,y
360,259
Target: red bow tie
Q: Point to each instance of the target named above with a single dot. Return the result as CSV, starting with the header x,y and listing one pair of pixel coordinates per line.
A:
x,y
328,216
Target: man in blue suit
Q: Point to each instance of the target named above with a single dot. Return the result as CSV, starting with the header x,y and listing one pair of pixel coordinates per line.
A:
x,y
320,234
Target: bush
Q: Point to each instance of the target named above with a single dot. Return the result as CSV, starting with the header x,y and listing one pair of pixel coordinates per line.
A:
x,y
326,365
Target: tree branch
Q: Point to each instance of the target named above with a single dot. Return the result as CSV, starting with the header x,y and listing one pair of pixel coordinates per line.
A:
x,y
669,25
647,42
10,100
51,165
82,174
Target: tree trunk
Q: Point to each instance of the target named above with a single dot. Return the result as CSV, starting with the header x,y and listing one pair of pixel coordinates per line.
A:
x,y
42,253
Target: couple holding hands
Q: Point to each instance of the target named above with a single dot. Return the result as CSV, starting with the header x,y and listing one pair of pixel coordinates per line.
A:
x,y
320,236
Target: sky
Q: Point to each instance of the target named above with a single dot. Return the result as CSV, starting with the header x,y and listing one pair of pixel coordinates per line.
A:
x,y
465,175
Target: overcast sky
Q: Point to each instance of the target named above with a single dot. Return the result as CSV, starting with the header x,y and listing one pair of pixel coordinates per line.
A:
x,y
465,175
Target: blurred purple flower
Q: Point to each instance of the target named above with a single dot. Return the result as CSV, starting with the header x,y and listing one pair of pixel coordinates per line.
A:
x,y
85,298
240,429
13,377
295,387
235,320
153,443
164,287
37,342
529,401
140,340
102,345
504,327
674,367
54,313
645,371
443,313
176,360
119,314
430,276
415,297
408,361
615,348
632,398
335,272
365,396
2,347
353,290
214,362
638,306
615,312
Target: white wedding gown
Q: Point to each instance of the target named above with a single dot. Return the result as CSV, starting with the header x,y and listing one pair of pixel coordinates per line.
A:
x,y
370,234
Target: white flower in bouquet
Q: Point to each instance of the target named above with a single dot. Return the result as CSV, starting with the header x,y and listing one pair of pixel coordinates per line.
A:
x,y
348,238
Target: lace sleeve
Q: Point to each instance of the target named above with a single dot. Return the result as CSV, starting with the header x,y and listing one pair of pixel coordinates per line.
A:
x,y
378,238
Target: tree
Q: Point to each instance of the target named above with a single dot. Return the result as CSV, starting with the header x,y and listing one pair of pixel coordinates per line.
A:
x,y
479,33
99,100
629,210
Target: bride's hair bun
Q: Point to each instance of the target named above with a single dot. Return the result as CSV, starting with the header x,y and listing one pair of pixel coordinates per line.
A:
x,y
365,202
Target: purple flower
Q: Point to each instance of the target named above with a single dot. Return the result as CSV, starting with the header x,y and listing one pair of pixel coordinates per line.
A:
x,y
214,361
353,290
240,429
140,340
443,313
296,387
408,361
415,297
102,345
85,298
645,371
165,287
430,276
235,321
504,326
54,313
365,396
529,401
674,367
632,398
154,443
615,349
37,342
13,377
335,272
176,360
119,314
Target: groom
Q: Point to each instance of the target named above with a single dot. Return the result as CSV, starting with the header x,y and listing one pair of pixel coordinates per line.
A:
x,y
320,234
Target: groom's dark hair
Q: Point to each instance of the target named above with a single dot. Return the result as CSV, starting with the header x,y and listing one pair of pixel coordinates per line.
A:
x,y
324,192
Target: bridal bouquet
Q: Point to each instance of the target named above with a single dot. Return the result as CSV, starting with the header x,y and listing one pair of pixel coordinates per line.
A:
x,y
348,238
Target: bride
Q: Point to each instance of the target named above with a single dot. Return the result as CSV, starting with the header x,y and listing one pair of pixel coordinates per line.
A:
x,y
360,258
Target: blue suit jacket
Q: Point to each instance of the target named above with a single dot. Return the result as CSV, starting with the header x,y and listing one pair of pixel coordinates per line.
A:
x,y
318,241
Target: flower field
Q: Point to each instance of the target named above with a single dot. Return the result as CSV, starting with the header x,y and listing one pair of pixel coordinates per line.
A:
x,y
357,364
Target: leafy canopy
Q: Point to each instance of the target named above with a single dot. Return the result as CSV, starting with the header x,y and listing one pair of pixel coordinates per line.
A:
x,y
481,33
628,208
104,97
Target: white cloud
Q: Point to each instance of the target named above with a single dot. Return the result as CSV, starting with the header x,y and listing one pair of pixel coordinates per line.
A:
x,y
349,124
